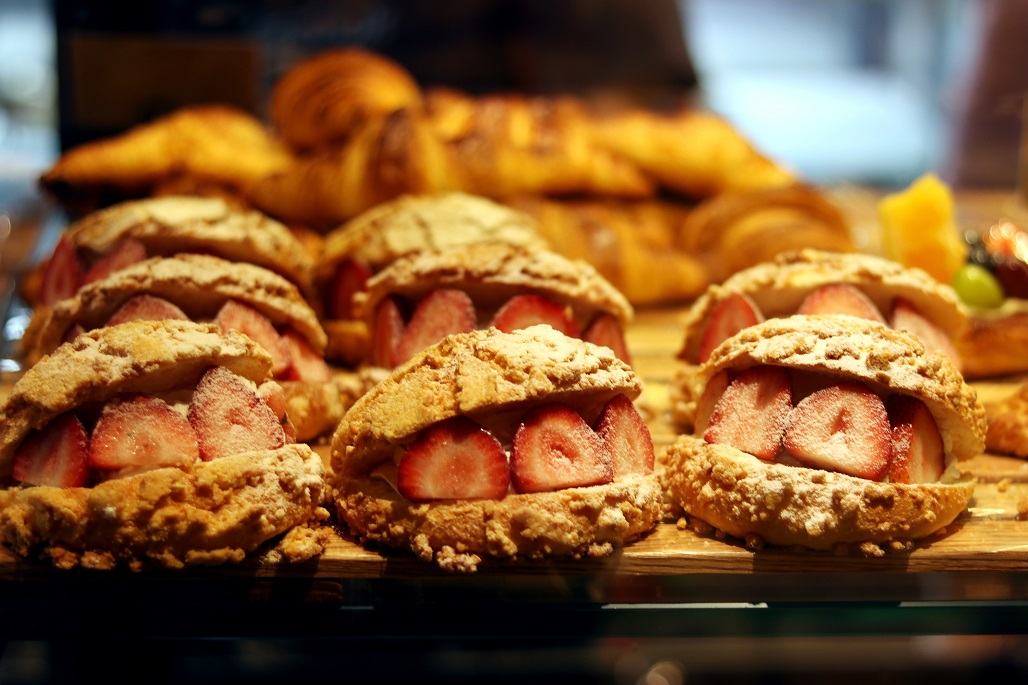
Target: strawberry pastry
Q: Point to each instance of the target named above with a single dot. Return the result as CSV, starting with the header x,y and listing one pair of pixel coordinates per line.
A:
x,y
417,300
521,445
821,431
236,296
812,282
152,443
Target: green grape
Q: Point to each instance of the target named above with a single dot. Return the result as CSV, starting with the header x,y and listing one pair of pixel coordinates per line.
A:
x,y
977,287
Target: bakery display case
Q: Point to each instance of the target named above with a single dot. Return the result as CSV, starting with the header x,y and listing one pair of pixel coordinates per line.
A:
x,y
298,168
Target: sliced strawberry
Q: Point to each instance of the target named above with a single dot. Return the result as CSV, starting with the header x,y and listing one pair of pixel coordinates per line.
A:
x,y
522,311
140,430
63,274
841,428
555,448
125,253
272,394
627,438
74,331
146,308
351,278
918,454
712,393
385,339
907,317
229,418
732,314
235,315
306,365
55,456
441,313
753,411
840,298
605,330
454,459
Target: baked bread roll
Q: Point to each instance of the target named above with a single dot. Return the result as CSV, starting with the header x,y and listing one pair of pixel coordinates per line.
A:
x,y
361,247
234,295
151,443
419,299
816,282
491,393
826,431
994,342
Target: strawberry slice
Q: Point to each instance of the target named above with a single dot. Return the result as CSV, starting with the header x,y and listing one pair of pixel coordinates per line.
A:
x,y
125,253
453,459
146,308
627,438
918,455
351,278
55,456
441,313
732,314
840,298
63,274
555,448
907,317
841,428
712,393
753,411
306,365
272,394
235,315
522,311
605,330
229,418
385,339
141,431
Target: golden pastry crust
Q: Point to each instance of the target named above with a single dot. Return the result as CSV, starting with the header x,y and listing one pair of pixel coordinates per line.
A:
x,y
994,343
794,506
492,273
492,378
173,224
871,353
198,284
215,513
1008,424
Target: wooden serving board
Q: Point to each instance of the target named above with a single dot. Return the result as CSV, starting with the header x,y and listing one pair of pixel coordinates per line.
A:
x,y
991,536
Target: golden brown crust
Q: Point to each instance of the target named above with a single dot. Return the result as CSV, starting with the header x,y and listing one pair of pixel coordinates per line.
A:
x,y
141,356
994,343
214,513
173,224
198,284
492,273
795,506
1008,424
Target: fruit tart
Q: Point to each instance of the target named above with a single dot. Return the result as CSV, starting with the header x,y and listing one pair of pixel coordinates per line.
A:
x,y
826,431
814,282
234,295
152,444
419,299
499,446
371,241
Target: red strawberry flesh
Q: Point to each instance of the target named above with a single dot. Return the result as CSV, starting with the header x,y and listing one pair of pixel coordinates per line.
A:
x,y
306,365
918,454
454,459
712,392
141,431
731,315
229,418
555,448
56,456
351,278
840,298
605,330
386,335
522,311
146,308
841,428
243,318
63,274
753,412
627,438
125,253
441,313
907,317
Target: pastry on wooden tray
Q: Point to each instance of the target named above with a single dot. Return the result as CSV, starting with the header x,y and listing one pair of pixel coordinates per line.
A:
x,y
1008,423
131,231
153,444
826,432
419,299
493,446
233,295
410,224
814,282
